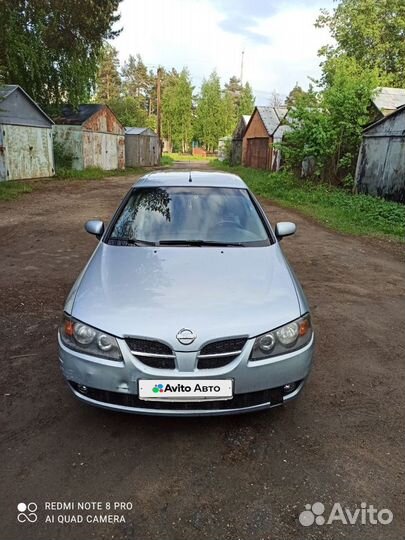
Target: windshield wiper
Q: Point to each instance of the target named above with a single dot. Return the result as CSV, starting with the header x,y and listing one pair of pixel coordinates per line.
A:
x,y
132,241
199,243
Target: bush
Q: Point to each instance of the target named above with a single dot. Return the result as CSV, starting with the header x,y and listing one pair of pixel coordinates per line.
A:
x,y
326,126
166,160
63,158
343,211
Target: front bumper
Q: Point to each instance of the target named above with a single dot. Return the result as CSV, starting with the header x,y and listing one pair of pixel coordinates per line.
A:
x,y
114,385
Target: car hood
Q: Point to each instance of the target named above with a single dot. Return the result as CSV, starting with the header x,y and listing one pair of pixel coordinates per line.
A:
x,y
216,292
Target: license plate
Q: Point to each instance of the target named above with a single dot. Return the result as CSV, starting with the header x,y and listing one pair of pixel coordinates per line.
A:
x,y
185,389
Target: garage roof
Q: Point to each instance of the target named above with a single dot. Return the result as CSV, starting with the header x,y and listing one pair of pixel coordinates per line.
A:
x,y
386,118
271,117
139,131
388,99
18,108
77,117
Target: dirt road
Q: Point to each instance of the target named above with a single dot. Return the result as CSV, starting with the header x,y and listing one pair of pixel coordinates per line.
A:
x,y
225,478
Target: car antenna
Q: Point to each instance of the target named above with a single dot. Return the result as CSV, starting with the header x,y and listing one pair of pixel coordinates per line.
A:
x,y
189,177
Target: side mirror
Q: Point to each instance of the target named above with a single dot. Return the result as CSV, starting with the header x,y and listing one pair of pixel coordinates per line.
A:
x,y
95,226
285,228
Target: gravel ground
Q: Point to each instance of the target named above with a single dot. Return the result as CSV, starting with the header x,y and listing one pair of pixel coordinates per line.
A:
x,y
228,478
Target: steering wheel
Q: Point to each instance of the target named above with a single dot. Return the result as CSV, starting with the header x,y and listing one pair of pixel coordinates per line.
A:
x,y
227,223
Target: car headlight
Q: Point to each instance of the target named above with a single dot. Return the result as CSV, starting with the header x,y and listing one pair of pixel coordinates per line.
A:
x,y
83,338
287,338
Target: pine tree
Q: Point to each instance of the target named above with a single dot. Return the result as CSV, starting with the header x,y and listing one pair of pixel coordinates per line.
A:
x,y
138,82
177,102
242,97
129,112
108,81
229,113
247,101
294,95
210,113
234,88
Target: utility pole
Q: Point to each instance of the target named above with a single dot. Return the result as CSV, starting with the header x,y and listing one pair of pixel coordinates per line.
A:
x,y
241,68
159,122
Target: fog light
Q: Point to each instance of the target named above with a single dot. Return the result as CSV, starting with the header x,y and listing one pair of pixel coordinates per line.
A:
x,y
288,388
82,388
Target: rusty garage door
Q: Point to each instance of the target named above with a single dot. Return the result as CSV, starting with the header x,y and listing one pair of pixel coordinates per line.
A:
x,y
104,150
25,152
257,153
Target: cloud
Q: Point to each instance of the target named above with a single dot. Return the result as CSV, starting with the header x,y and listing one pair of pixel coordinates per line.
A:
x,y
279,39
241,19
242,26
250,8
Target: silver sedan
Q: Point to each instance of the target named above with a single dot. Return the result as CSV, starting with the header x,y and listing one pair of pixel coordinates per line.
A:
x,y
188,305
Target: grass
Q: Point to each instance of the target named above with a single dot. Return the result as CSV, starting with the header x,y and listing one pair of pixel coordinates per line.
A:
x,y
12,189
166,160
186,157
95,173
352,214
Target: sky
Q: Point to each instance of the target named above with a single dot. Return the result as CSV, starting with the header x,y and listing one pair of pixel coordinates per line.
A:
x,y
278,37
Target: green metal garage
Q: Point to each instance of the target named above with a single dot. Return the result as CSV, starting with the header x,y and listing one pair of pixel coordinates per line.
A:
x,y
25,136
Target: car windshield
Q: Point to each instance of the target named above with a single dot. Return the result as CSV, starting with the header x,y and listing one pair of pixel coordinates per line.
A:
x,y
189,216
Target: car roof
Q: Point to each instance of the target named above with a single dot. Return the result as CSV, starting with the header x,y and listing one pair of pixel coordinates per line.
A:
x,y
198,178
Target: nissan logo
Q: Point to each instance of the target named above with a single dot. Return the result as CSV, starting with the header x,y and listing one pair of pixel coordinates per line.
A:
x,y
186,336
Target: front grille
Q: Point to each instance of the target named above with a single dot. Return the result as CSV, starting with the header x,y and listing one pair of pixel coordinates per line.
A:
x,y
273,396
152,353
220,353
